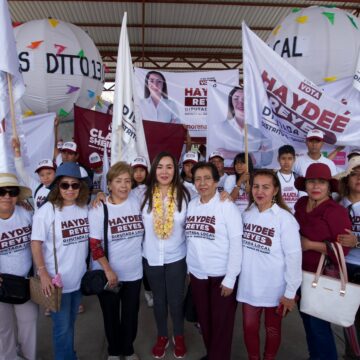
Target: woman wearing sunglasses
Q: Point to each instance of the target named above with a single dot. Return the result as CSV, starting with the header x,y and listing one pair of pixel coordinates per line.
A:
x,y
18,322
63,220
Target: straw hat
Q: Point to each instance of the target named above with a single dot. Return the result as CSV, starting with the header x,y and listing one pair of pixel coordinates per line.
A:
x,y
352,164
8,180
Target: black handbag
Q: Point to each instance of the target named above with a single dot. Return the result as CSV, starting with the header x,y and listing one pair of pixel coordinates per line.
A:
x,y
94,281
14,289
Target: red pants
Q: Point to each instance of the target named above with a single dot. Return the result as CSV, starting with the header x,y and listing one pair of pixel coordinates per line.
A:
x,y
216,315
251,327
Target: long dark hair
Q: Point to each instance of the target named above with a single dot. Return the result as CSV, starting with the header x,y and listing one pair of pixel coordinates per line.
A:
x,y
164,91
240,157
276,182
176,183
134,183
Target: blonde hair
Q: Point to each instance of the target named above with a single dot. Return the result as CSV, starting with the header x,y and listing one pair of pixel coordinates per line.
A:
x,y
117,169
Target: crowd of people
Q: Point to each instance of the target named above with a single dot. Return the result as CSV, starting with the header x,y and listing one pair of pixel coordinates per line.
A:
x,y
242,238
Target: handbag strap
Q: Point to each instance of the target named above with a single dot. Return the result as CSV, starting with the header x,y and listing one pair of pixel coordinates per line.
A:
x,y
106,218
54,246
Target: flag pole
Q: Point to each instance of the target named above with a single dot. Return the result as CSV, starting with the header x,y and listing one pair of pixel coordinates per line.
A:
x,y
12,107
246,147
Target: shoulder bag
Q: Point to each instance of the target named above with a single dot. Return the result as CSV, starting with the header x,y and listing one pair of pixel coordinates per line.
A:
x,y
330,299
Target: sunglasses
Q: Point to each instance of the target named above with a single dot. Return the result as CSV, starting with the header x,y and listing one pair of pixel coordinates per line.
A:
x,y
12,191
66,186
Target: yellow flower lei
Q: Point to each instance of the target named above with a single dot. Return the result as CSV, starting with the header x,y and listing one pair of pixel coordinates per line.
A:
x,y
163,219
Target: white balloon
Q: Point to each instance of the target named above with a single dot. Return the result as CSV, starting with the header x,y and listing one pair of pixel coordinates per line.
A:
x,y
323,43
61,66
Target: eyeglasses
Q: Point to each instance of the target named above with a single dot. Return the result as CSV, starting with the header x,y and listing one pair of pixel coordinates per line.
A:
x,y
66,186
12,191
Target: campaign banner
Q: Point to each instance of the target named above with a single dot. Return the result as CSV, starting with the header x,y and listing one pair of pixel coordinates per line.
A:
x,y
284,105
92,133
180,98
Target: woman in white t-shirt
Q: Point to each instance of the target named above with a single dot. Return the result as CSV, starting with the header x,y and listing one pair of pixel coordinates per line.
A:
x,y
238,185
63,220
350,198
123,265
17,322
189,160
213,231
271,264
164,249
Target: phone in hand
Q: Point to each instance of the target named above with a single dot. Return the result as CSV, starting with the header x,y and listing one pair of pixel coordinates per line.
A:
x,y
115,289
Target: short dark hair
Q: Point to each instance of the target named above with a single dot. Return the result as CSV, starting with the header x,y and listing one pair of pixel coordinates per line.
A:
x,y
164,91
206,165
286,149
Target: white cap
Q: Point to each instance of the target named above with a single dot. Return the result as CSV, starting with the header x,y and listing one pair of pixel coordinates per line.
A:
x,y
315,134
69,146
45,164
95,160
190,157
139,161
216,154
353,152
59,144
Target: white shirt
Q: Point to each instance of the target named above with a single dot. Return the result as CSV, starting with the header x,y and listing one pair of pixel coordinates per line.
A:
x,y
15,235
353,257
71,240
221,182
191,189
125,235
230,137
304,161
288,190
242,200
213,233
139,192
271,264
166,110
164,251
29,181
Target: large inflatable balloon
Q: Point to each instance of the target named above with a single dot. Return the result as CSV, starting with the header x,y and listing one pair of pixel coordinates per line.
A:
x,y
323,43
61,67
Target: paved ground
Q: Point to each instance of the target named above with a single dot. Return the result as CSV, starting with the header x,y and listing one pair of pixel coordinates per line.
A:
x,y
91,342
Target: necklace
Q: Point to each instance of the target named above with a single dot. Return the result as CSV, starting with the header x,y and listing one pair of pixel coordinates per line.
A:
x,y
163,216
287,181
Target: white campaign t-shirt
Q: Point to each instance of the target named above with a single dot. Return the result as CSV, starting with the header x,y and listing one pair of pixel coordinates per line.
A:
x,y
213,232
353,257
15,235
221,182
71,239
139,192
242,199
33,184
164,251
304,161
288,190
125,235
191,188
271,265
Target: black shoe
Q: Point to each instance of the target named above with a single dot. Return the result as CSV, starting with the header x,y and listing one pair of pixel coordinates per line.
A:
x,y
204,357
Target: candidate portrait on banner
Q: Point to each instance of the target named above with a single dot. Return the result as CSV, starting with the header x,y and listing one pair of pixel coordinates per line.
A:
x,y
156,104
226,127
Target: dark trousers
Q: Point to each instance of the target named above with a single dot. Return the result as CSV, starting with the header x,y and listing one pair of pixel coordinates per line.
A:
x,y
216,315
251,328
121,328
167,283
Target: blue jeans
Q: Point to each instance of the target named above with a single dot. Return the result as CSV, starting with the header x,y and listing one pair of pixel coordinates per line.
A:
x,y
319,338
64,326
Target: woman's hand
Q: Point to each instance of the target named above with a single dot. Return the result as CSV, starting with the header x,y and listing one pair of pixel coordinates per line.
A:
x,y
287,305
46,284
306,244
100,198
244,178
15,143
225,291
111,278
348,240
224,195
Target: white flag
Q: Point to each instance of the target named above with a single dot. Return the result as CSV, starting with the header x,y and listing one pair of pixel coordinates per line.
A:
x,y
103,184
285,105
9,64
128,138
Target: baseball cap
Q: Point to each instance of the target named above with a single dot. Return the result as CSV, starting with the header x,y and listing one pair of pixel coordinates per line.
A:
x,y
315,134
45,164
353,152
69,146
139,161
190,157
95,160
216,154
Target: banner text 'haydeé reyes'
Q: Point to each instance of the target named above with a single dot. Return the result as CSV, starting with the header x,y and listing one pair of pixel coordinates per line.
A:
x,y
300,112
66,64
